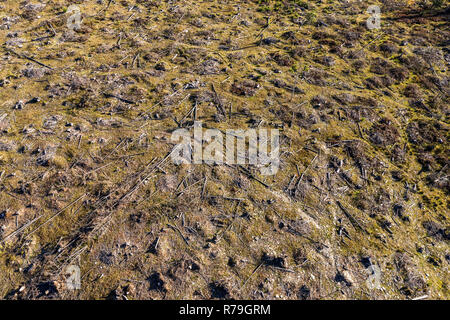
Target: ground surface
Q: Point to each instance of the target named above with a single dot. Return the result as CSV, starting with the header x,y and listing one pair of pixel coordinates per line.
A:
x,y
86,119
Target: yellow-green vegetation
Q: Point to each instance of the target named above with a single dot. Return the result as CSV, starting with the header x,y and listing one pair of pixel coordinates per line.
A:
x,y
86,117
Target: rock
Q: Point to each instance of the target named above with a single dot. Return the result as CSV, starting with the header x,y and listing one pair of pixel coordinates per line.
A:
x,y
106,257
19,105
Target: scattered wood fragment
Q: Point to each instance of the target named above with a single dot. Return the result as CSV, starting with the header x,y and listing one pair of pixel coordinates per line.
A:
x,y
24,56
179,232
352,220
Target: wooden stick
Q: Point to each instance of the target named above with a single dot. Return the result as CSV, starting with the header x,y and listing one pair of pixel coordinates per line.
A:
x,y
23,56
